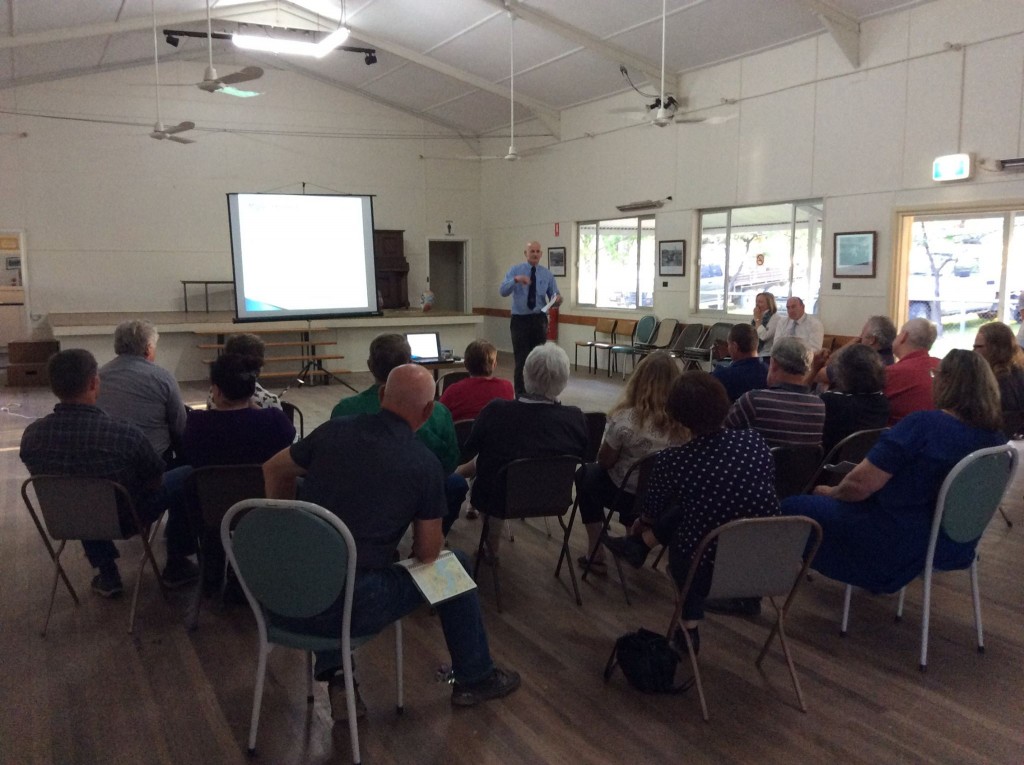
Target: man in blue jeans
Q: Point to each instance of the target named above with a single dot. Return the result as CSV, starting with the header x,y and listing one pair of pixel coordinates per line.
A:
x,y
372,472
80,439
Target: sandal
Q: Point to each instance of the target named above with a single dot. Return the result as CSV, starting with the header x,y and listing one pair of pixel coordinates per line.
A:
x,y
595,565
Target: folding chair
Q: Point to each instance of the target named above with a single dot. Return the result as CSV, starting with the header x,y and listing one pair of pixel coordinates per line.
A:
x,y
294,412
450,379
604,328
662,339
295,559
843,457
754,558
537,487
642,333
794,468
596,422
689,336
212,490
967,501
694,355
84,508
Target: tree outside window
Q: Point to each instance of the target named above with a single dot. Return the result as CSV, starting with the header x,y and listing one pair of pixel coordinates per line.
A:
x,y
616,263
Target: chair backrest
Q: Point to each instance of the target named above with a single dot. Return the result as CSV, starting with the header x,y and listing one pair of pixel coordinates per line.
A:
x,y
1013,423
645,330
844,456
450,379
604,329
294,412
758,557
215,488
971,494
539,486
719,331
642,470
689,337
625,331
666,331
795,467
596,422
293,558
462,430
78,507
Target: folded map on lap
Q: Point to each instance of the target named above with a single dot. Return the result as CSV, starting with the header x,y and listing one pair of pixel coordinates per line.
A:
x,y
441,580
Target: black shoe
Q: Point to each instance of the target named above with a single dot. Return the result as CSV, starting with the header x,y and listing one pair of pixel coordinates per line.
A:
x,y
107,584
339,701
501,683
734,606
180,571
631,549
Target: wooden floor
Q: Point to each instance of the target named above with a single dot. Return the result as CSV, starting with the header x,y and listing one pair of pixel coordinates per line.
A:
x,y
90,693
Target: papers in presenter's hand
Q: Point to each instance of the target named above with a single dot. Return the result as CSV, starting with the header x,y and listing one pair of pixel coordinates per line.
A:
x,y
441,580
551,302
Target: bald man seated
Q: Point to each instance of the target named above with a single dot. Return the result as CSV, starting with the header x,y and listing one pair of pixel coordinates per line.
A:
x,y
372,472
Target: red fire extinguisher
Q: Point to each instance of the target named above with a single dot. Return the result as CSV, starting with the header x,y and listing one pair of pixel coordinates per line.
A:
x,y
553,323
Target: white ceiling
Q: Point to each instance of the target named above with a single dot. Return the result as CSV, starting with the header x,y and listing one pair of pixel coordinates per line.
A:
x,y
444,60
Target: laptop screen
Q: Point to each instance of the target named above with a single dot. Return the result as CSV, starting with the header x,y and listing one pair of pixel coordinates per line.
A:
x,y
424,345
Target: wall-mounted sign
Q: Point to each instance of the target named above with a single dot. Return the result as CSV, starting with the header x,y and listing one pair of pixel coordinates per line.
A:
x,y
952,167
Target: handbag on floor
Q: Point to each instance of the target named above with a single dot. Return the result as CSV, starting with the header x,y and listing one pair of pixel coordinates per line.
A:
x,y
648,662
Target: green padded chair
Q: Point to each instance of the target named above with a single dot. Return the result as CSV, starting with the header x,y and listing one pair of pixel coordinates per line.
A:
x,y
968,499
295,559
643,333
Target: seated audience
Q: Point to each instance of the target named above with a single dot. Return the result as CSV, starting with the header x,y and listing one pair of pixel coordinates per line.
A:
x,y
879,333
746,372
535,424
137,390
786,413
877,521
766,320
996,344
908,382
233,433
638,425
856,401
685,500
372,473
80,439
797,323
253,347
467,397
437,433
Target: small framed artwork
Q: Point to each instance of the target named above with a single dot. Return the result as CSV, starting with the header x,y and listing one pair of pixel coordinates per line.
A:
x,y
672,258
556,261
855,255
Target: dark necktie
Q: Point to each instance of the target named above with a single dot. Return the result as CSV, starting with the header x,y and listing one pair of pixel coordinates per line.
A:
x,y
531,294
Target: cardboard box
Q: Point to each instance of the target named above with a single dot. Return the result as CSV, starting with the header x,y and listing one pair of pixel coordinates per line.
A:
x,y
31,352
27,375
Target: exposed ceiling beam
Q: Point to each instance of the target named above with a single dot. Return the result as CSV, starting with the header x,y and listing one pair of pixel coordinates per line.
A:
x,y
541,110
586,40
132,25
845,29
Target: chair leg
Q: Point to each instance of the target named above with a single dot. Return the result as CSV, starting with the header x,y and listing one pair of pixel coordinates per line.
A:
x,y
257,698
566,555
780,628
696,670
899,604
192,619
58,573
622,579
976,596
847,594
925,614
309,677
661,554
147,535
350,702
1002,512
399,668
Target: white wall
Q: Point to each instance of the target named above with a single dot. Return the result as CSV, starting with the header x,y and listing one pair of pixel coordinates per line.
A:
x,y
805,124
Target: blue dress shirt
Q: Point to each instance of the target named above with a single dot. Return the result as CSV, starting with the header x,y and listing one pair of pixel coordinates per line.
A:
x,y
546,288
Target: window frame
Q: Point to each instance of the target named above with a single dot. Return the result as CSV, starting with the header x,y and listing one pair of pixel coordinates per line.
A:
x,y
596,223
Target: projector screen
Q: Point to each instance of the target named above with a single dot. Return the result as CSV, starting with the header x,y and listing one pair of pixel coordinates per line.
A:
x,y
302,256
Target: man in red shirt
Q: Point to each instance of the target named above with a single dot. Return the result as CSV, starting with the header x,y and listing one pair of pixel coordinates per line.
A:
x,y
908,382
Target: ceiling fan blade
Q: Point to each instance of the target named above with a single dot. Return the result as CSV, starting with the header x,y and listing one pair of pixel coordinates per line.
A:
x,y
181,127
242,75
179,139
158,135
230,90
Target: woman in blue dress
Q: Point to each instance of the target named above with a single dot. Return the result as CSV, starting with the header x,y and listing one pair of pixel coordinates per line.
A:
x,y
877,521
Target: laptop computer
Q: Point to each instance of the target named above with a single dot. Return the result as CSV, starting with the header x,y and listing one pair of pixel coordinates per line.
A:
x,y
426,346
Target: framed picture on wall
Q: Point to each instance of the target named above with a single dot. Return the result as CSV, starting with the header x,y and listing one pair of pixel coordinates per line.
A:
x,y
556,260
672,257
855,255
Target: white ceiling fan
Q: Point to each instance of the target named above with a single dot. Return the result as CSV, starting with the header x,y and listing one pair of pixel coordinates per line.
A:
x,y
212,83
160,132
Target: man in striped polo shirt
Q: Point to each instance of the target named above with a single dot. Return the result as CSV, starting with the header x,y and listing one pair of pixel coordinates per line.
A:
x,y
786,413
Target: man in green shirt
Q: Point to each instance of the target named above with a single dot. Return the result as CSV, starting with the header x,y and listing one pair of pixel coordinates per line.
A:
x,y
437,434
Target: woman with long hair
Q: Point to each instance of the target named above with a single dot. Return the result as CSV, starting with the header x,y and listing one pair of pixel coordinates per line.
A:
x,y
638,425
996,344
878,519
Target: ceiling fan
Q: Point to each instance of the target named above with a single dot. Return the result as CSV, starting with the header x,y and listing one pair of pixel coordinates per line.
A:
x,y
160,132
213,84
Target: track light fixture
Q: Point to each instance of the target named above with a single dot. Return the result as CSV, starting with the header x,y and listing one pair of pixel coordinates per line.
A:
x,y
370,58
172,40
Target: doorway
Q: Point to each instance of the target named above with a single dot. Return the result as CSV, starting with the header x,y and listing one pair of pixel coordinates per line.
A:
x,y
447,274
961,269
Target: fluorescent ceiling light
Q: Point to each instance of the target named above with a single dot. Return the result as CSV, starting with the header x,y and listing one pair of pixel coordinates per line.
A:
x,y
291,46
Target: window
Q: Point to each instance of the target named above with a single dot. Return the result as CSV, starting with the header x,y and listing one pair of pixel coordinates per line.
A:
x,y
615,263
768,248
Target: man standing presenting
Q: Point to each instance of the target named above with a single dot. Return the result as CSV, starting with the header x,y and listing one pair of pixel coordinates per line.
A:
x,y
371,472
531,286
